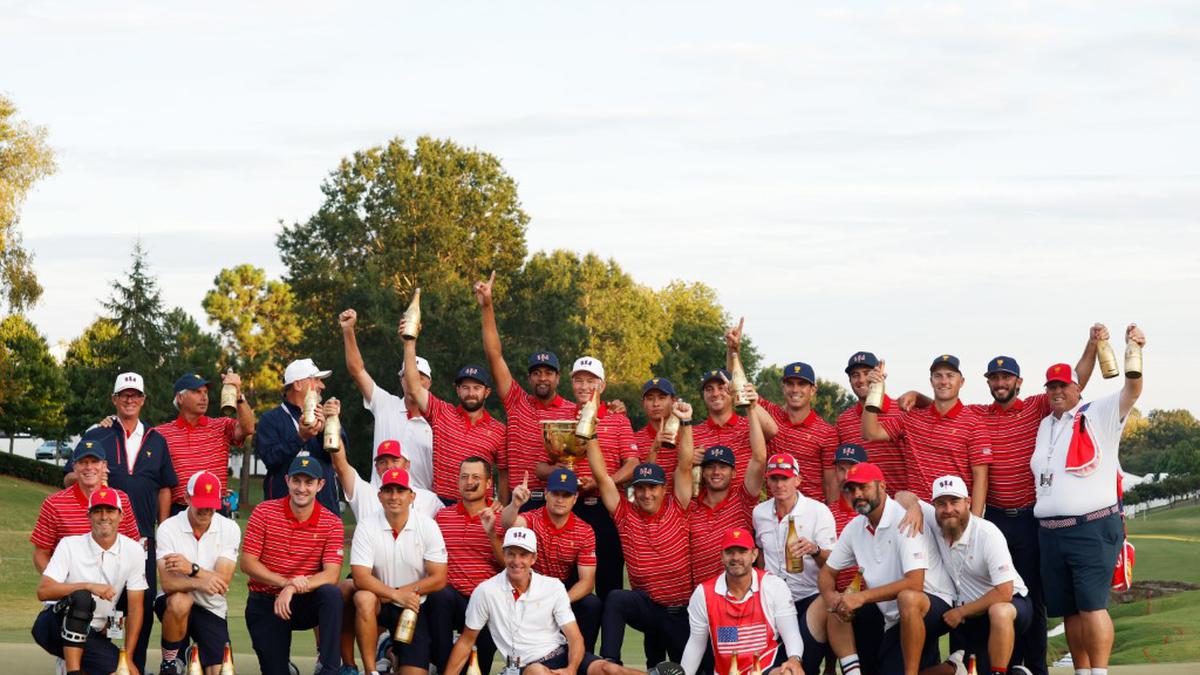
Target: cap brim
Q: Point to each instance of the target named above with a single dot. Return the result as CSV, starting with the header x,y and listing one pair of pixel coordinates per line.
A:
x,y
305,472
648,481
779,472
796,377
206,502
1059,381
523,547
1002,370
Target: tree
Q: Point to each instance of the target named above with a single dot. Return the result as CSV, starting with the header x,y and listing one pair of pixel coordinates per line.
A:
x,y
90,367
34,386
829,401
24,159
1163,440
695,339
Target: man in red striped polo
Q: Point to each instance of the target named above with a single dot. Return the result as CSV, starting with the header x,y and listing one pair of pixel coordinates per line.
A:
x,y
653,531
803,434
292,553
526,410
201,443
658,399
947,438
459,432
887,455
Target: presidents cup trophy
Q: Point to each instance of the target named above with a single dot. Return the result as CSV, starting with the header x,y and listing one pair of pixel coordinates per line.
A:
x,y
562,447
412,317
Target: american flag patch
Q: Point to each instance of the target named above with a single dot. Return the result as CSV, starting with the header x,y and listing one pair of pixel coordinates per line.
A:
x,y
918,555
752,638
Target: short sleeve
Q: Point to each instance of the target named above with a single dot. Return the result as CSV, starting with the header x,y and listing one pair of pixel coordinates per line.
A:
x,y
477,610
779,597
999,560
914,551
827,443
256,530
842,555
137,573
825,533
362,553
166,473
378,404
164,542
980,450
587,546
231,540
562,606
437,409
894,426
627,441
500,444
1040,402
45,529
435,544
128,525
59,565
517,401
1103,419
334,542
231,430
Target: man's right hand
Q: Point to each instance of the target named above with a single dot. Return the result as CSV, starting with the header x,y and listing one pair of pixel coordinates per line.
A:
x,y
483,290
733,336
102,591
407,599
347,319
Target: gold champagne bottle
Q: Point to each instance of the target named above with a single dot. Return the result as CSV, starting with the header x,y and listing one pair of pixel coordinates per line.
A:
x,y
971,665
311,400
122,663
755,668
412,317
406,626
229,397
585,429
473,666
795,563
333,433
733,664
670,426
856,583
194,667
875,393
227,662
738,381
1133,360
1108,359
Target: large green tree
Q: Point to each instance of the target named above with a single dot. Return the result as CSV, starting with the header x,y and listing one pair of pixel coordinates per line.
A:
x,y
25,158
90,367
34,384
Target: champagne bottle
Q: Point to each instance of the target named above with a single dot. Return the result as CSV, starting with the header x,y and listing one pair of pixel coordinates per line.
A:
x,y
971,665
473,666
194,667
333,433
406,626
122,663
795,563
585,429
856,583
227,662
733,664
1133,360
312,399
1108,359
412,317
738,381
229,398
755,667
670,425
875,393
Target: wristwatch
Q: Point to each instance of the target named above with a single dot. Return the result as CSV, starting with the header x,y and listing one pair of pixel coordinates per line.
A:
x,y
195,570
686,423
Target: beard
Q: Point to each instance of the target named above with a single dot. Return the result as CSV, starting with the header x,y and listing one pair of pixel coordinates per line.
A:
x,y
472,406
865,506
1012,393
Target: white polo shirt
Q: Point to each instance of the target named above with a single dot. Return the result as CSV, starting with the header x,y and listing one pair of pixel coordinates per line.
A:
x,y
79,559
814,521
364,500
415,435
886,554
397,559
978,561
222,540
527,628
1068,494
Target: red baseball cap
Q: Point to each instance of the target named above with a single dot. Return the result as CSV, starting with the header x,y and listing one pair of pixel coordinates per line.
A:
x,y
397,477
782,464
863,473
388,448
1061,372
737,538
205,490
105,496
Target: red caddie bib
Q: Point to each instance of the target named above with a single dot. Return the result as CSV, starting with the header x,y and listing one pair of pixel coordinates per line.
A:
x,y
741,628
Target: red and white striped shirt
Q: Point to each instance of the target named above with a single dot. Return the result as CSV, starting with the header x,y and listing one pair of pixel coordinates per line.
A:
x,y
656,550
667,458
617,442
65,514
456,437
1014,435
560,551
200,447
524,432
887,455
470,550
708,525
812,441
940,445
291,547
734,434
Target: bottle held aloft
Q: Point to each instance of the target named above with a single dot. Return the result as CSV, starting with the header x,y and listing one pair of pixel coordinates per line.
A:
x,y
412,317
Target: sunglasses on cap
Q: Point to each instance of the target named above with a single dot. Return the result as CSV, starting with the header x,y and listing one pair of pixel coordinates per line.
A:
x,y
786,466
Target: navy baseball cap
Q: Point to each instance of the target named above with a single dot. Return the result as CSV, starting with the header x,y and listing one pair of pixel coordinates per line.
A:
x,y
543,358
648,473
861,360
718,453
718,374
850,452
189,381
473,372
799,370
306,465
88,449
1003,364
562,480
658,383
945,360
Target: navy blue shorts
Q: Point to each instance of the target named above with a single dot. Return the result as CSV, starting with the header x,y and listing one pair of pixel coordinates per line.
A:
x,y
814,651
972,634
209,631
560,661
891,657
1077,565
416,653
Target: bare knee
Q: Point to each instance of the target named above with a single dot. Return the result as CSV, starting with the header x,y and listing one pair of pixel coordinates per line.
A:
x,y
913,602
179,604
1002,611
346,588
536,669
366,602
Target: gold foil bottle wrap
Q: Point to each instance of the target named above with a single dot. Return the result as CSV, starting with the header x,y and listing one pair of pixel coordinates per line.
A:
x,y
333,433
738,381
406,626
695,481
227,662
874,402
670,426
856,583
194,667
1108,360
473,666
312,399
229,396
733,664
795,563
971,665
755,668
585,429
412,317
1133,360
122,663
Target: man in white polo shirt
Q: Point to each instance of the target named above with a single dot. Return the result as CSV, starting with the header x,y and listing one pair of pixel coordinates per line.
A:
x,y
773,519
363,496
397,557
903,574
80,586
993,607
197,555
1075,466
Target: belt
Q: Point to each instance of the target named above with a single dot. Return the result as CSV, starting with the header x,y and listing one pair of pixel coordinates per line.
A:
x,y
1011,513
557,651
1072,521
676,609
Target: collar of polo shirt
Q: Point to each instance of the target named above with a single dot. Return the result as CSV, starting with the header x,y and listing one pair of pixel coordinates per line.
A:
x,y
950,414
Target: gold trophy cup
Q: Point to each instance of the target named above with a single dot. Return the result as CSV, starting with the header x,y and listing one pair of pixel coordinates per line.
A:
x,y
562,446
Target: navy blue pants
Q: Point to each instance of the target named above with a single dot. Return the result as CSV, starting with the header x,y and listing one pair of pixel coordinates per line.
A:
x,y
665,629
447,610
588,611
99,653
272,636
610,557
891,656
1020,529
209,631
972,635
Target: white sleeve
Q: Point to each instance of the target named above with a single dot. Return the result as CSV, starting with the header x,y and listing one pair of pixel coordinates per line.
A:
x,y
378,401
914,551
164,542
693,653
231,541
999,560
358,494
783,613
435,543
562,606
825,532
477,609
60,563
137,575
362,553
1103,416
842,555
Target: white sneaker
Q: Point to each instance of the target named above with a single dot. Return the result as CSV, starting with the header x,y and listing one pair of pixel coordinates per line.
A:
x,y
60,666
956,660
1020,670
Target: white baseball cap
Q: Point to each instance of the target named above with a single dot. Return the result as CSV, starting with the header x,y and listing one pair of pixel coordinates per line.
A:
x,y
950,485
422,368
128,381
521,537
588,364
303,369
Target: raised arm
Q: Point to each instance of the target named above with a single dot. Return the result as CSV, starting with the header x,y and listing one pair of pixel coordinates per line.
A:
x,y
872,430
511,515
686,452
348,319
346,474
1133,385
412,378
757,465
501,376
610,494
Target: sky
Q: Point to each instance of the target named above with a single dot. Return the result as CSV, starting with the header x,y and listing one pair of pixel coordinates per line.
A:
x,y
909,178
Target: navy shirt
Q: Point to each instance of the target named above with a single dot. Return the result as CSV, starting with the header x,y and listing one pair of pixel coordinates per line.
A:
x,y
152,471
277,443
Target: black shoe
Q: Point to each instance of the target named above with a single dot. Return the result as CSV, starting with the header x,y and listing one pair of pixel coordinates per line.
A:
x,y
667,668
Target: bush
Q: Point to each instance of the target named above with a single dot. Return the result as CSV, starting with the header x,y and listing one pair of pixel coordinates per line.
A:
x,y
30,469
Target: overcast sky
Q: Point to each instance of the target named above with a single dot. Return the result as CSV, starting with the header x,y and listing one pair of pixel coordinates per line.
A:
x,y
911,178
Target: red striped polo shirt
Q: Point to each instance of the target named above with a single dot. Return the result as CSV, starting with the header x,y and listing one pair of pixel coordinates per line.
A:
x,y
456,437
524,432
65,514
291,547
470,551
734,434
939,445
1014,434
617,442
656,550
843,513
667,458
812,441
200,447
707,525
887,455
561,550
